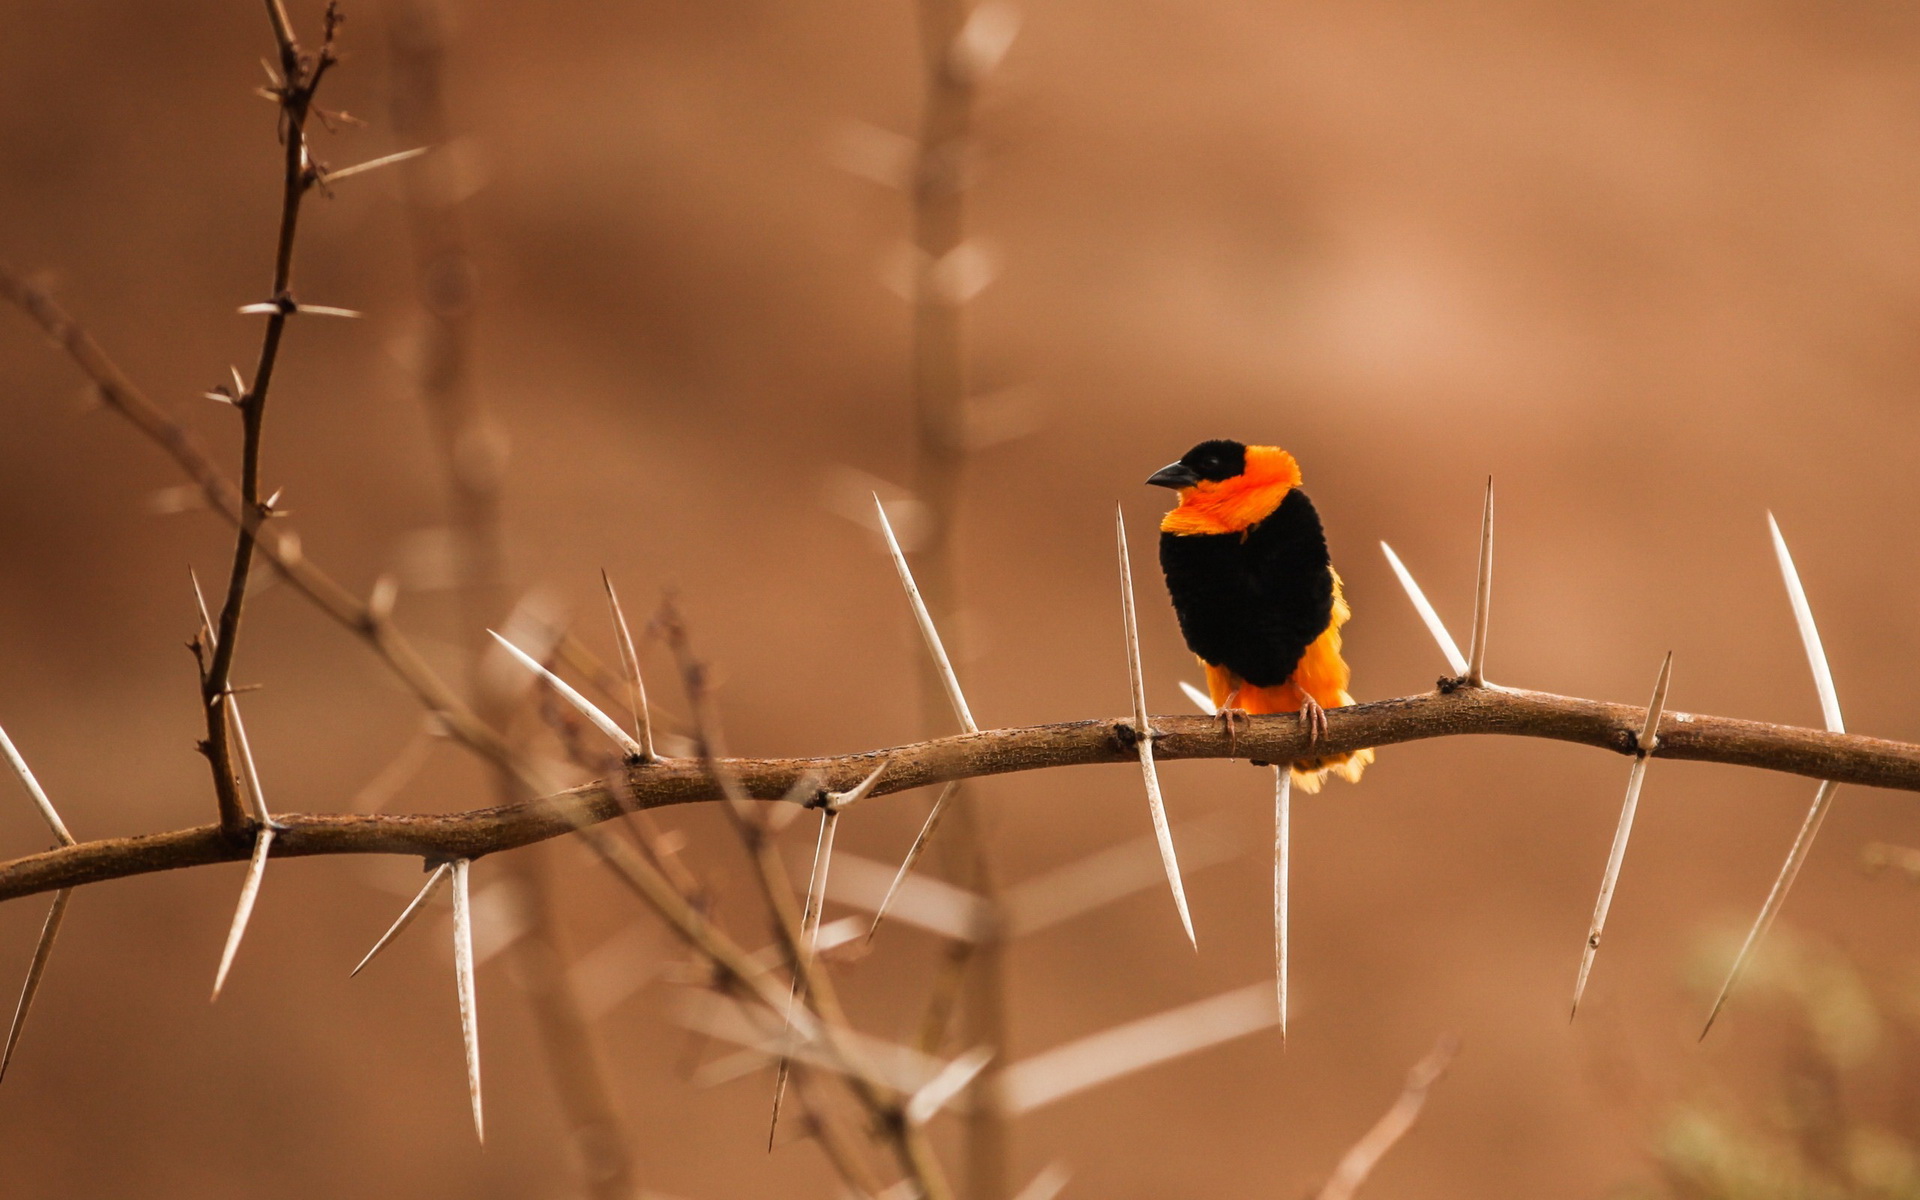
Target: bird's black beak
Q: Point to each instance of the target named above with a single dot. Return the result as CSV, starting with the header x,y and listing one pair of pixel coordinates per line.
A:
x,y
1174,475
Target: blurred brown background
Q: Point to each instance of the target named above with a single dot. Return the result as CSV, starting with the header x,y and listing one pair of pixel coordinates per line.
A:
x,y
1657,271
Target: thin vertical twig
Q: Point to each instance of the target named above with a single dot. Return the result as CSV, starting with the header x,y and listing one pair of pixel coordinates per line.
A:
x,y
1144,735
1282,868
1643,751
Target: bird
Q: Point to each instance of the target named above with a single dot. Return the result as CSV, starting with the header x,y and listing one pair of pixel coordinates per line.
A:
x,y
1255,592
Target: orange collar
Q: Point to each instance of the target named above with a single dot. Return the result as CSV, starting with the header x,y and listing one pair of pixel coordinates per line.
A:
x,y
1232,505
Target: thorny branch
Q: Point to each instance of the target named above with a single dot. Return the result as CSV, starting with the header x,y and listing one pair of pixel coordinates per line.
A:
x,y
1451,711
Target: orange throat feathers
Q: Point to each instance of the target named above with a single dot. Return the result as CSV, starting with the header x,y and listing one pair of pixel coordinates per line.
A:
x,y
1233,505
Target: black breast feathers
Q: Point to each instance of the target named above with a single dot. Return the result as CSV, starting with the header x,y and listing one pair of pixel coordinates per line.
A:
x,y
1253,602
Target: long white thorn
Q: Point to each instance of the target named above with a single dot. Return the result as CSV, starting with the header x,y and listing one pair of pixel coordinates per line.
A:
x,y
1282,867
200,597
1482,596
586,707
412,910
914,851
34,790
1822,799
1649,739
809,943
636,687
1809,633
1448,647
924,619
463,983
243,911
251,773
42,951
1776,896
373,164
1143,733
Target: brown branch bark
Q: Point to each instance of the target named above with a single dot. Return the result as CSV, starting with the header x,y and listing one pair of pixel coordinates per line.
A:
x,y
1816,754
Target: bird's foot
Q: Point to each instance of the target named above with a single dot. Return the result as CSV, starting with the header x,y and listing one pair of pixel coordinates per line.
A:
x,y
1232,720
1313,719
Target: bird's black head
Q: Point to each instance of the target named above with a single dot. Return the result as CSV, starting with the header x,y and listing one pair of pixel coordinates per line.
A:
x,y
1215,461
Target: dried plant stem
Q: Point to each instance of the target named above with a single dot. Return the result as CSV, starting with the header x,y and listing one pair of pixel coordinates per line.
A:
x,y
1816,754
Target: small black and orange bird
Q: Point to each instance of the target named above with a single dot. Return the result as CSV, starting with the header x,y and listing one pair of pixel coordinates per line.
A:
x,y
1256,593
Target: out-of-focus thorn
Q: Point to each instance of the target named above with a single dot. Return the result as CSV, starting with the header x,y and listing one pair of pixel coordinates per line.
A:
x,y
463,983
273,78
412,910
1649,739
798,799
328,310
34,791
1200,699
886,1063
983,41
914,851
873,153
607,975
1143,733
1003,416
239,384
386,590
42,951
630,659
586,707
1482,597
399,772
372,164
243,912
220,395
175,499
1448,647
962,272
1055,1074
1105,876
1359,1162
1282,867
924,620
1776,897
848,492
1878,856
950,1082
1809,633
931,904
1049,1183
